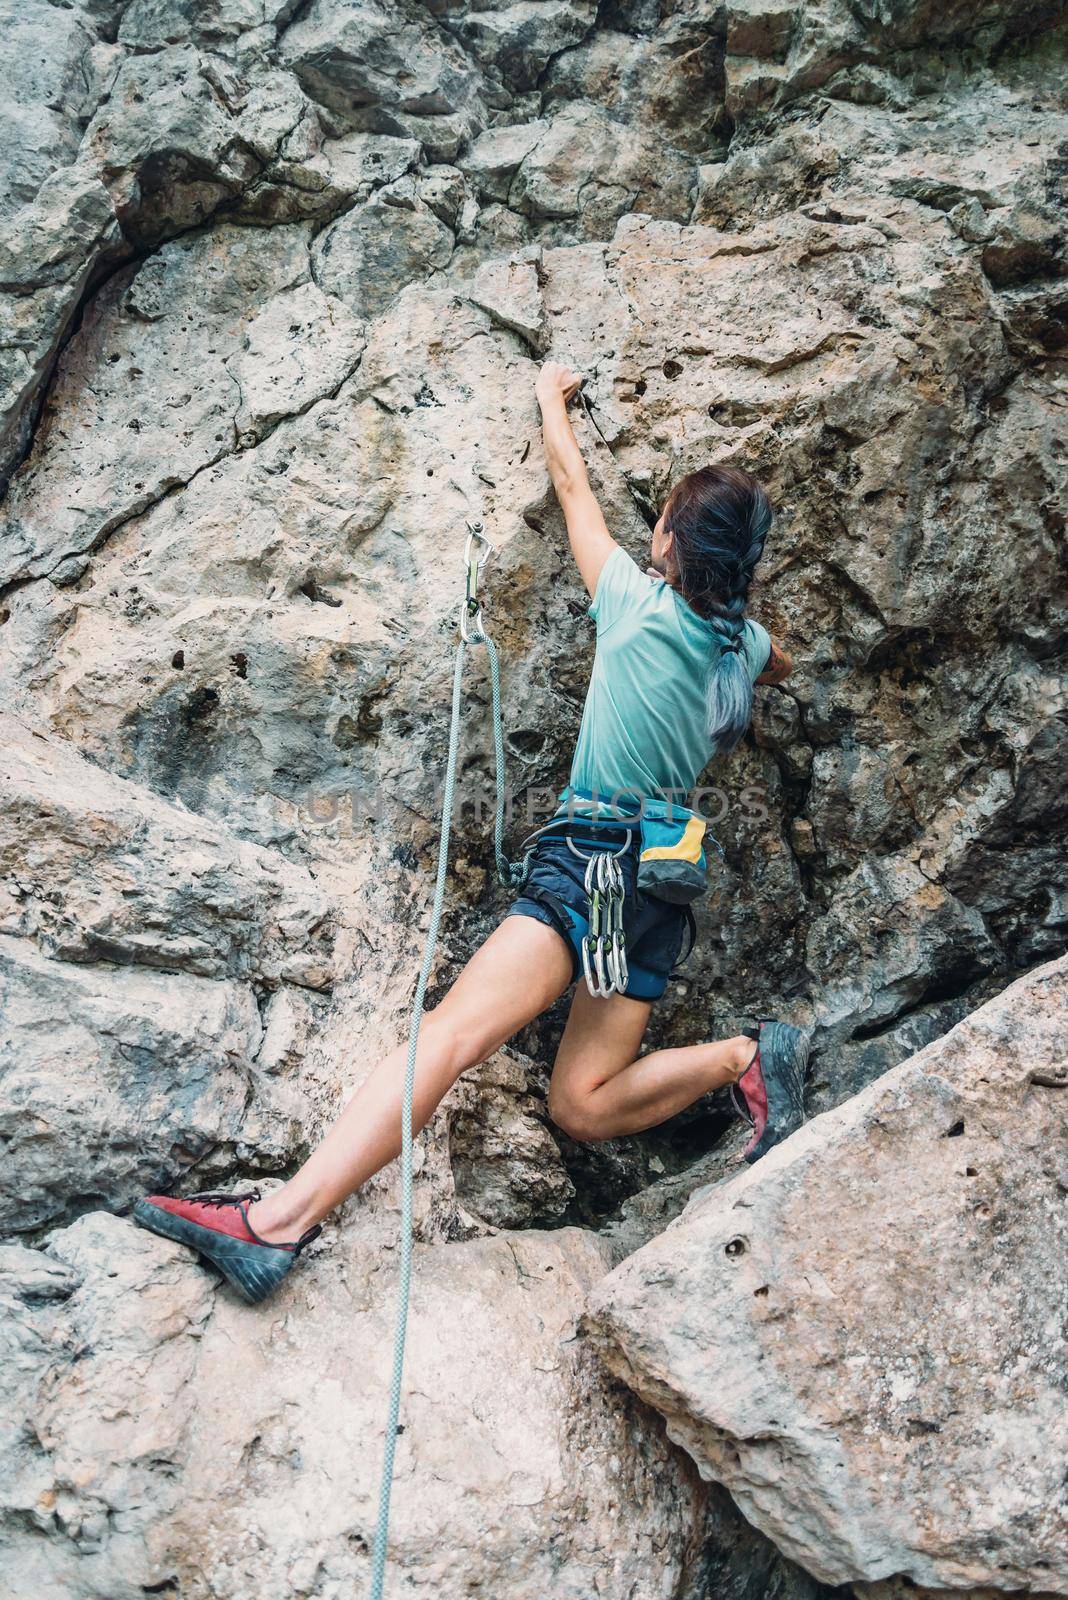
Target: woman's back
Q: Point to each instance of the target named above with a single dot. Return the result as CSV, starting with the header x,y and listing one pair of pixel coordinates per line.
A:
x,y
644,726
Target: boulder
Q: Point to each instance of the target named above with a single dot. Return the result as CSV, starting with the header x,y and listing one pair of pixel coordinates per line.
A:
x,y
208,299
511,293
860,1336
386,68
515,40
97,869
528,1476
112,1083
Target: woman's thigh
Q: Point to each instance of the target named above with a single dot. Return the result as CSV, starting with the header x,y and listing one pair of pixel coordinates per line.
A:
x,y
512,978
600,1039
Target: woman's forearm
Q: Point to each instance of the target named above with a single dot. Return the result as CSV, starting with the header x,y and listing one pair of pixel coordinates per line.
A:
x,y
562,454
591,542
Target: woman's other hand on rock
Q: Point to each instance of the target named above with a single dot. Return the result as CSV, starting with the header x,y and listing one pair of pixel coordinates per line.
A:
x,y
556,381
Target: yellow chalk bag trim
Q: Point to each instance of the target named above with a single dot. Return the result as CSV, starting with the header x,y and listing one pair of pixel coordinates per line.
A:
x,y
688,847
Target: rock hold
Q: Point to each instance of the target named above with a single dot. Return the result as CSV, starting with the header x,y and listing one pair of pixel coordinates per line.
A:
x,y
511,292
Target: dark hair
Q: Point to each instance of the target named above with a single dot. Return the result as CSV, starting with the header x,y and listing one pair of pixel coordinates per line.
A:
x,y
720,518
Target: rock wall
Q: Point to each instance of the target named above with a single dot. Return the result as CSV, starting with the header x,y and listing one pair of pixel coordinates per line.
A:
x,y
276,280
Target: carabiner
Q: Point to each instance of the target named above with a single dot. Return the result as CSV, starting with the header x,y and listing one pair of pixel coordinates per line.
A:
x,y
605,989
477,551
471,629
604,958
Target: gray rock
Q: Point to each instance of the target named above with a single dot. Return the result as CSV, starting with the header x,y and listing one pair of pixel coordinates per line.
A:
x,y
47,251
113,1081
506,1165
95,869
168,142
296,348
134,939
269,345
587,165
493,159
851,1385
1027,242
511,293
83,1323
386,69
515,40
560,1484
49,69
153,24
368,256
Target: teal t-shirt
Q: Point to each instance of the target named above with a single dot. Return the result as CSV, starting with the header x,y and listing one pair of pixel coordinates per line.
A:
x,y
643,728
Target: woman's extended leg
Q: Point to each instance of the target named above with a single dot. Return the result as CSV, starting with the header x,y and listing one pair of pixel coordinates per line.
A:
x,y
601,1088
520,970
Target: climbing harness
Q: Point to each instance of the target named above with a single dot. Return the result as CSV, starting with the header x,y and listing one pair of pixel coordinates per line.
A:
x,y
477,551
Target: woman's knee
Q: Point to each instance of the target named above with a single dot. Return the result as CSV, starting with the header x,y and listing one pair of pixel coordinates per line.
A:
x,y
574,1115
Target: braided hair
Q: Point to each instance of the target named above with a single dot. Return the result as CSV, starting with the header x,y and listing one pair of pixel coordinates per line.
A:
x,y
720,518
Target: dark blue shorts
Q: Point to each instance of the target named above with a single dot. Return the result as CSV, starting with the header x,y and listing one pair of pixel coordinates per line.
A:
x,y
555,894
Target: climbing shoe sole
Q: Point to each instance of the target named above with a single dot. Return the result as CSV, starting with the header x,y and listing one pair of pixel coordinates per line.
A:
x,y
255,1270
783,1063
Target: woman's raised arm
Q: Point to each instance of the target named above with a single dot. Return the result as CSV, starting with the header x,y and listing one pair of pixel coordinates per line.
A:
x,y
591,542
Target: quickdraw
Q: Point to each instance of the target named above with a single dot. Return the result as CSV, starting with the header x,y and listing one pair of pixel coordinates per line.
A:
x,y
604,949
477,551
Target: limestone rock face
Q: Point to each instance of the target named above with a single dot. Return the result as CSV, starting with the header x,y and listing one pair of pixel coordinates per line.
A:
x,y
275,280
136,943
862,1337
560,1483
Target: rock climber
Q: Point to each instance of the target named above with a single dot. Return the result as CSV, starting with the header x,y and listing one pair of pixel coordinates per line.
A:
x,y
675,662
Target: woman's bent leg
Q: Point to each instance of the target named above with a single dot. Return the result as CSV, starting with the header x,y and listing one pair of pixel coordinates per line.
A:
x,y
520,970
601,1088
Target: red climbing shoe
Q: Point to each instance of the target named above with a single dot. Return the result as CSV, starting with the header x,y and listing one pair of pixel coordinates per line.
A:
x,y
772,1087
217,1227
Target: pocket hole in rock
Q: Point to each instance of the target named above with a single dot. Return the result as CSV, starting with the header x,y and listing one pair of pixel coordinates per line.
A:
x,y
322,597
761,1293
201,703
672,369
178,660
239,663
955,1131
526,742
736,1247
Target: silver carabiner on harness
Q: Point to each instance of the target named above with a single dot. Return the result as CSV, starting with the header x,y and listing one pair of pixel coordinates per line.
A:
x,y
604,950
617,944
477,551
592,948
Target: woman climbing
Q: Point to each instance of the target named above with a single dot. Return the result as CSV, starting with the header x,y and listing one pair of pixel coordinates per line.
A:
x,y
673,671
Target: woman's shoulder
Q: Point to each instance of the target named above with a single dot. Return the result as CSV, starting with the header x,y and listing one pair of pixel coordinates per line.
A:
x,y
622,588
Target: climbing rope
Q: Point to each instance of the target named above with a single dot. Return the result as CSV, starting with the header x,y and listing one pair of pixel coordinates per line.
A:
x,y
511,874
